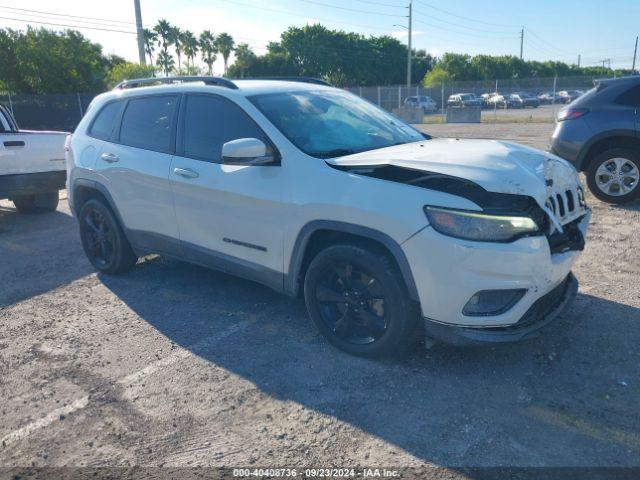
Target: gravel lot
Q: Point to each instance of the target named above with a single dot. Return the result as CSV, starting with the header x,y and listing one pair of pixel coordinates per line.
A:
x,y
174,365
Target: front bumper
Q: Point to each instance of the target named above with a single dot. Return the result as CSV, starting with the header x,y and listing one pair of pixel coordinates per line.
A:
x,y
540,314
448,272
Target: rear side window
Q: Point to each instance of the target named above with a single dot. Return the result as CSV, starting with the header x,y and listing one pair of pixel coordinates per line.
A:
x,y
102,126
148,123
630,98
210,122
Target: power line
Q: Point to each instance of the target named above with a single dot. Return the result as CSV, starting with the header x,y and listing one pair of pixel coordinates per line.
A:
x,y
482,35
371,2
483,30
66,15
42,17
475,20
354,10
284,12
66,25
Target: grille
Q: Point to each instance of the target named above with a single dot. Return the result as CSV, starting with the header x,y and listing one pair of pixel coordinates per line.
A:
x,y
564,205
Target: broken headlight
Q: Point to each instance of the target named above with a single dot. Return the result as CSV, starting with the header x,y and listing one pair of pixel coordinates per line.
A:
x,y
479,226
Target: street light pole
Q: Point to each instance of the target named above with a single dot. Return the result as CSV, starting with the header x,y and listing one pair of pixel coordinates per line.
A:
x,y
409,51
140,34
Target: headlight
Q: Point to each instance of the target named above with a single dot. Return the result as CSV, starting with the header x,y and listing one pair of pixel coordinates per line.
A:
x,y
479,226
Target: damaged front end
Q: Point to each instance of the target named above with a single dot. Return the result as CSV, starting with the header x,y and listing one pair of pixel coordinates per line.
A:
x,y
559,218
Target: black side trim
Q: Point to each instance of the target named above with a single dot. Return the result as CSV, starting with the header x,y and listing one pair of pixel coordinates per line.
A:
x,y
31,183
232,265
14,143
245,244
292,280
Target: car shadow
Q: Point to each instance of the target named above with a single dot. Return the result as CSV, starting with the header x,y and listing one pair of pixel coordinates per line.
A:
x,y
37,246
567,398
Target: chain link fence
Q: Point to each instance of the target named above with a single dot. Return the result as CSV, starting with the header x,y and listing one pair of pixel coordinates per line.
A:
x,y
390,97
64,111
47,112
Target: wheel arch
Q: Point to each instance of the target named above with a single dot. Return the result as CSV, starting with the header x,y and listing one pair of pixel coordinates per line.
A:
x,y
606,141
318,234
84,190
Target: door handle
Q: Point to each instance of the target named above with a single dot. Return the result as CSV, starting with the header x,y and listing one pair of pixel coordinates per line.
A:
x,y
14,143
110,157
186,172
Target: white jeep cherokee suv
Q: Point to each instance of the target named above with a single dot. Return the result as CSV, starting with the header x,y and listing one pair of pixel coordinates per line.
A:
x,y
309,189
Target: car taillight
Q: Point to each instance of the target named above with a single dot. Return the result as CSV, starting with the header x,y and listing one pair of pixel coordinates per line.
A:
x,y
571,114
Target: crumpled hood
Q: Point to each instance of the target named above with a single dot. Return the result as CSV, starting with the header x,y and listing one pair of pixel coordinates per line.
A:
x,y
497,166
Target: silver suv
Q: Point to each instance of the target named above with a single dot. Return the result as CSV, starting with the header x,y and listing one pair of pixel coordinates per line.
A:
x,y
599,133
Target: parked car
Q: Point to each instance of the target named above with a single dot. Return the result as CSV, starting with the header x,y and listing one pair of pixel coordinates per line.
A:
x,y
599,133
548,98
463,100
484,98
422,101
523,100
311,190
500,100
568,96
32,168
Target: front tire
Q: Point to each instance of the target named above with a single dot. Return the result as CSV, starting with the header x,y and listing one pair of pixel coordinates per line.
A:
x,y
103,240
358,301
614,175
37,203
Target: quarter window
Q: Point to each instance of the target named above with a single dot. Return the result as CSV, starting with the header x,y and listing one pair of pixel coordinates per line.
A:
x,y
104,122
147,123
631,97
210,122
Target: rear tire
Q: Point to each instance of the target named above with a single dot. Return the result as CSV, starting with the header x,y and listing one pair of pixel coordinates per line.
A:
x,y
103,240
358,301
621,168
37,203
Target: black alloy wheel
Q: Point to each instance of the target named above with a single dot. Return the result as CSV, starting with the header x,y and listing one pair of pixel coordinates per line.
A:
x,y
358,300
103,240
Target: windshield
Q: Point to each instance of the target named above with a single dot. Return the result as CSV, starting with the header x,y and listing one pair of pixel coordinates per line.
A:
x,y
467,96
327,124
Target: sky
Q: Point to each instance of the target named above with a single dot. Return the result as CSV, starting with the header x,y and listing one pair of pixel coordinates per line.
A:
x,y
553,29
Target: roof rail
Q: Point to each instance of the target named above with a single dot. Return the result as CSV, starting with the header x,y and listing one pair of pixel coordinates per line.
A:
x,y
145,82
316,81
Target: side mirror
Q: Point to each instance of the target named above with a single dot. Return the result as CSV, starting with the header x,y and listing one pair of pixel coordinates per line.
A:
x,y
246,151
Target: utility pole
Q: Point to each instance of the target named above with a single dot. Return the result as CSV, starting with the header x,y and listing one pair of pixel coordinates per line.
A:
x,y
579,58
140,34
606,60
521,41
635,53
409,50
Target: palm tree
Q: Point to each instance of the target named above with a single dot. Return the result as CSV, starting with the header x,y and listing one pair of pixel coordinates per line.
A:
x,y
165,61
149,37
244,57
175,39
208,50
190,46
225,45
163,29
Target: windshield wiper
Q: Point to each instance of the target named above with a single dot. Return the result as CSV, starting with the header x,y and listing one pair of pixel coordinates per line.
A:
x,y
336,152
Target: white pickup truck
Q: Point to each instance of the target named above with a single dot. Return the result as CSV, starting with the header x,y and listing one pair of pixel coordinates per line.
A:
x,y
32,166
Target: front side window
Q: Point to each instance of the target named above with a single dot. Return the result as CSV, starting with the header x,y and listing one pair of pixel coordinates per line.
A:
x,y
147,123
210,122
102,126
332,123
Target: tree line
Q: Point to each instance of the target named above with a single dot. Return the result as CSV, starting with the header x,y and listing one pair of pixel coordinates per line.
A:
x,y
46,61
455,67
